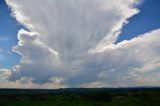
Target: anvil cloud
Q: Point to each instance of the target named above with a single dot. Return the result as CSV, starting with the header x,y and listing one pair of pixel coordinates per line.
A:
x,y
71,43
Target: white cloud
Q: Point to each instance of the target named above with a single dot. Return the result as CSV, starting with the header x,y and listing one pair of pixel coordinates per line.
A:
x,y
71,43
136,61
4,73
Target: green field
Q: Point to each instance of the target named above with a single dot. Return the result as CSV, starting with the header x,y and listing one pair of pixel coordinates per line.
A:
x,y
80,97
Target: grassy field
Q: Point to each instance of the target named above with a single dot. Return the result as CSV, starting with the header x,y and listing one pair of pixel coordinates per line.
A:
x,y
81,97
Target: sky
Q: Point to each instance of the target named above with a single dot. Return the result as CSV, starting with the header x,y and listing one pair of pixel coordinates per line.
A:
x,y
8,31
79,43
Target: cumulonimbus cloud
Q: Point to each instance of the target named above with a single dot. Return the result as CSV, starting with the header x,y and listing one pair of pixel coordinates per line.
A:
x,y
71,43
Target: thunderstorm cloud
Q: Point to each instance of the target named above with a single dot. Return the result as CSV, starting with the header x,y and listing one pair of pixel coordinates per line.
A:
x,y
71,43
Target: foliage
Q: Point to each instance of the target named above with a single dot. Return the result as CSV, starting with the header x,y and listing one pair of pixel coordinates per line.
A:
x,y
85,97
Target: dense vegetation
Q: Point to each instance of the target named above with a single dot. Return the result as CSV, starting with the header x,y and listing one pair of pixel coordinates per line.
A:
x,y
81,97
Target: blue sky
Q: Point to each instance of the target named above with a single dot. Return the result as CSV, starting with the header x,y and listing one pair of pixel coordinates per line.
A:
x,y
8,35
147,20
75,40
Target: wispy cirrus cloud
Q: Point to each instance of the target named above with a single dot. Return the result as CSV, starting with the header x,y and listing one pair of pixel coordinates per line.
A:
x,y
1,50
2,57
3,38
